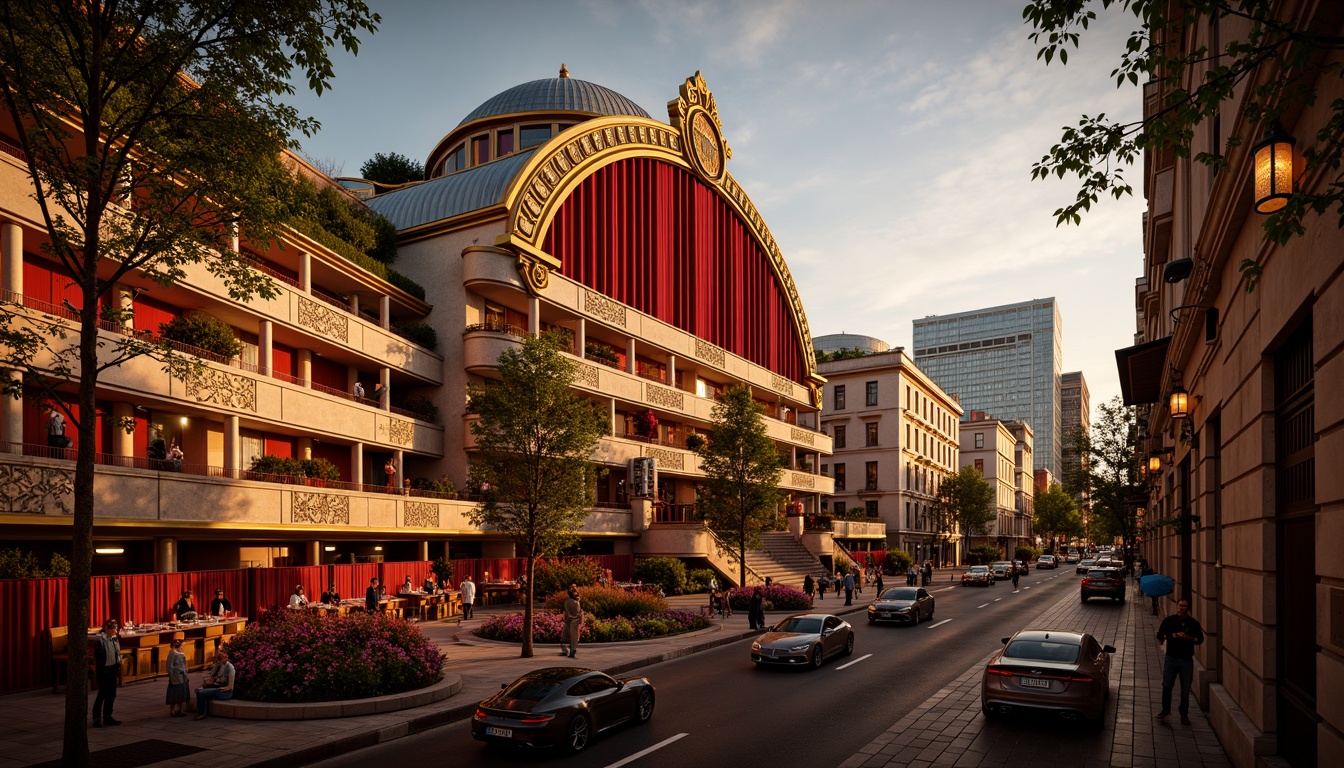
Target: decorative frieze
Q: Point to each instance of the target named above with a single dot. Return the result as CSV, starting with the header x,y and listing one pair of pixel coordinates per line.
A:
x,y
400,432
803,480
230,390
324,320
664,397
603,308
710,354
421,514
35,490
319,508
781,384
666,458
586,375
802,436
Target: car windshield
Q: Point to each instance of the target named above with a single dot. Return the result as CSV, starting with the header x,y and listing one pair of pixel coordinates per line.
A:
x,y
800,625
899,593
1042,650
1103,573
1087,562
530,689
979,568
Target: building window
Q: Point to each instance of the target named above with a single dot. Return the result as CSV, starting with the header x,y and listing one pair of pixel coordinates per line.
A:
x,y
825,468
480,150
870,475
870,393
457,159
980,466
504,143
839,436
839,477
840,509
532,135
870,508
870,433
979,439
840,397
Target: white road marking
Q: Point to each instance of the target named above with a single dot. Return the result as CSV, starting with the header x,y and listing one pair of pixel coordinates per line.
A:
x,y
1015,591
944,589
1026,587
997,599
939,624
981,606
644,752
856,661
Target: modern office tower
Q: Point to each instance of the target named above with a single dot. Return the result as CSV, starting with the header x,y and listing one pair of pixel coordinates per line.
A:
x,y
1075,416
1004,360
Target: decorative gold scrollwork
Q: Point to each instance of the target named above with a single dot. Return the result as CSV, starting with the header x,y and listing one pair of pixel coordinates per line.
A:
x,y
34,490
421,514
535,274
320,508
209,385
323,320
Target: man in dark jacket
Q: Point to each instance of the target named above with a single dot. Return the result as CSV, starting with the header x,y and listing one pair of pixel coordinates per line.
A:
x,y
756,610
1181,633
371,596
106,670
848,581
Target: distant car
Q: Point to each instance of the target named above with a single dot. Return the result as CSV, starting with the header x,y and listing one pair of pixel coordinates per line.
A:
x,y
1084,565
978,574
804,640
1073,557
1002,569
906,605
1103,582
1046,561
561,707
1062,673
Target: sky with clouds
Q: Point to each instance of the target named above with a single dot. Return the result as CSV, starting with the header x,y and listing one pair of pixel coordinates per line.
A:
x,y
888,144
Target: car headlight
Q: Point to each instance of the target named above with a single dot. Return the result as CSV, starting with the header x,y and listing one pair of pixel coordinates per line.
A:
x,y
872,608
802,647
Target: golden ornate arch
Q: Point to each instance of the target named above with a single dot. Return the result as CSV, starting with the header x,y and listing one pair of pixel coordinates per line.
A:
x,y
692,142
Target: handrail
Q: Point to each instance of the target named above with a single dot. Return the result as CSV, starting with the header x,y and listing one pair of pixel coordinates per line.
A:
x,y
730,554
496,327
845,552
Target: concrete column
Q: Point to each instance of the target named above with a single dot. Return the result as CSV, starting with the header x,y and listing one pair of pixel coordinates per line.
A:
x,y
306,367
354,304
534,316
641,514
447,550
265,346
672,370
357,463
400,480
630,355
11,418
581,338
233,238
11,257
385,377
123,442
385,311
424,550
231,446
306,272
165,556
305,447
312,555
611,416
126,303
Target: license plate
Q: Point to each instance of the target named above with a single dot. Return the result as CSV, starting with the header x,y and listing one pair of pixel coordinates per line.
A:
x,y
884,614
1034,682
503,732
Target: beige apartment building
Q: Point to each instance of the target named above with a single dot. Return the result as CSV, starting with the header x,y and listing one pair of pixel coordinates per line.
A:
x,y
1002,452
894,438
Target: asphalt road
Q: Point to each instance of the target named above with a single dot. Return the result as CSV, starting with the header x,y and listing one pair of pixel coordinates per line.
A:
x,y
715,708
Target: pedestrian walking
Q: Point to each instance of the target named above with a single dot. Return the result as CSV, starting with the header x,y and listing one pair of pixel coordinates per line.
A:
x,y
849,588
468,588
371,596
573,624
877,583
928,572
1181,632
808,587
839,583
106,671
823,584
179,692
910,577
756,610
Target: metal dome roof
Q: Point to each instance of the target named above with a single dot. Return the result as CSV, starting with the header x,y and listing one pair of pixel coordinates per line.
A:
x,y
451,195
556,94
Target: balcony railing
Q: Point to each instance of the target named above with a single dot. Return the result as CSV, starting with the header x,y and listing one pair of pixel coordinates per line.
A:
x,y
275,273
13,151
664,512
496,327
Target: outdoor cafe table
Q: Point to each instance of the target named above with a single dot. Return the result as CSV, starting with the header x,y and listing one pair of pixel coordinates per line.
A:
x,y
496,592
392,606
144,647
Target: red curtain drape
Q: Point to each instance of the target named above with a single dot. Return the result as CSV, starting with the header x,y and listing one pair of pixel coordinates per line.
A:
x,y
150,597
499,568
28,607
271,587
393,574
352,579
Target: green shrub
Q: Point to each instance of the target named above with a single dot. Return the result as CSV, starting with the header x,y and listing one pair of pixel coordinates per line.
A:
x,y
897,562
423,408
22,564
842,566
608,602
315,469
983,554
443,485
556,575
698,580
667,572
443,570
418,333
596,350
695,441
547,625
1026,554
203,332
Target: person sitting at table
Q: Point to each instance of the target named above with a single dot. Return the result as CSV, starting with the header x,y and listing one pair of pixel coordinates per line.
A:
x,y
430,585
298,599
331,596
220,606
218,683
185,610
382,593
406,587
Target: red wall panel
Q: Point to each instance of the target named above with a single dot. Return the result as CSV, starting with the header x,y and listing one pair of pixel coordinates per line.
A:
x,y
653,236
150,313
336,454
28,608
329,373
279,445
283,359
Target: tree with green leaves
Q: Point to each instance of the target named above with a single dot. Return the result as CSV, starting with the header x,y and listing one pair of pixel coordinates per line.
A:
x,y
1112,474
534,439
1268,57
740,496
152,131
1057,514
392,168
965,501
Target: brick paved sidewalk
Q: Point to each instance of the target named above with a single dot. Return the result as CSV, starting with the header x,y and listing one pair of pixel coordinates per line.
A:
x,y
949,729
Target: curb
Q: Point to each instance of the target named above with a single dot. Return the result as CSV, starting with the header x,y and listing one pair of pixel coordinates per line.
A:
x,y
238,709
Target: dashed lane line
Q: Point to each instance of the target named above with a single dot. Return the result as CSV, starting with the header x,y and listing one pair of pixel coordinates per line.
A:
x,y
981,606
852,663
939,624
644,752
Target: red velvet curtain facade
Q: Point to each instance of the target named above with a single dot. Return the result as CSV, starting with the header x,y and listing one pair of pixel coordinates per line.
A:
x,y
394,574
271,587
28,607
351,579
150,597
653,236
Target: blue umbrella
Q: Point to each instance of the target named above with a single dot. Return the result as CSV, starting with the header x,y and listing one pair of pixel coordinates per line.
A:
x,y
1157,585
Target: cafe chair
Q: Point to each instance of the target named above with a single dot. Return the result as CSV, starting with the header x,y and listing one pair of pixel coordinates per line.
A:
x,y
59,638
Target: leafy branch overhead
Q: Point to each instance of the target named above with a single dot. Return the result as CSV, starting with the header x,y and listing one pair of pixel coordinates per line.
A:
x,y
1274,61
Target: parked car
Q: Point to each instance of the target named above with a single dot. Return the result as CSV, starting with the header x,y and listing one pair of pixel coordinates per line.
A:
x,y
906,605
804,640
978,574
561,707
1103,582
1002,569
1084,566
1061,673
1046,561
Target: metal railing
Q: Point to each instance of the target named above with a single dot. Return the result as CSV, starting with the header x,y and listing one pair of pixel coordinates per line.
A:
x,y
13,151
664,512
496,327
275,273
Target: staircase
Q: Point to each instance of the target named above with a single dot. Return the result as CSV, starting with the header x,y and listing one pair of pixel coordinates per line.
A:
x,y
784,559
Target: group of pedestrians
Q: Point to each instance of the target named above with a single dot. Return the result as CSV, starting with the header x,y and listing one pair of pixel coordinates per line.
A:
x,y
919,575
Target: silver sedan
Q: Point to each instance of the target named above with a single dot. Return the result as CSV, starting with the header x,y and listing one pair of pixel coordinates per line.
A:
x,y
804,640
905,605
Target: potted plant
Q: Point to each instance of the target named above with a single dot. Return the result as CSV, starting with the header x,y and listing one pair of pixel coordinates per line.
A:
x,y
646,424
695,441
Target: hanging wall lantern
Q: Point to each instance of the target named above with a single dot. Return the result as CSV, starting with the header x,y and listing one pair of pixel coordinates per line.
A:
x,y
1273,170
1155,463
1179,403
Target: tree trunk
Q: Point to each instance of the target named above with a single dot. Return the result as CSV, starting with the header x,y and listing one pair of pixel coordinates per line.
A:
x,y
527,605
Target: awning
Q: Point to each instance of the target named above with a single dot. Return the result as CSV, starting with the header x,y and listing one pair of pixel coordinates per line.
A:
x,y
1141,368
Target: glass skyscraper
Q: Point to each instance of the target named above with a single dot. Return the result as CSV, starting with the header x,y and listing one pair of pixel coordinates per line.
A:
x,y
1003,360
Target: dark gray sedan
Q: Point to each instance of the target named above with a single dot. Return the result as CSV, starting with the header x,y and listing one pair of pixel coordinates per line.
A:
x,y
903,605
804,640
561,707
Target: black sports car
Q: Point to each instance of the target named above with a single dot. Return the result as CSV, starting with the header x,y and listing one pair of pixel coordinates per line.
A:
x,y
561,706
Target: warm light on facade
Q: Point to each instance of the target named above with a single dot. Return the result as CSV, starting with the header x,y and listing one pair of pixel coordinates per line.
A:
x,y
1179,403
1154,463
1273,170
109,551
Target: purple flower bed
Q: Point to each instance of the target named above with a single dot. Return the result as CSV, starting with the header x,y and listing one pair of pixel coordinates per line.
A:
x,y
777,598
547,625
295,656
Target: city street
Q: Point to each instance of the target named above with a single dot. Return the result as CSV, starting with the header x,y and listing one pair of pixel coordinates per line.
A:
x,y
714,707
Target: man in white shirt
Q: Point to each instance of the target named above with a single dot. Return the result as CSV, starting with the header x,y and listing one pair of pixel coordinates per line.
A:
x,y
468,588
56,429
